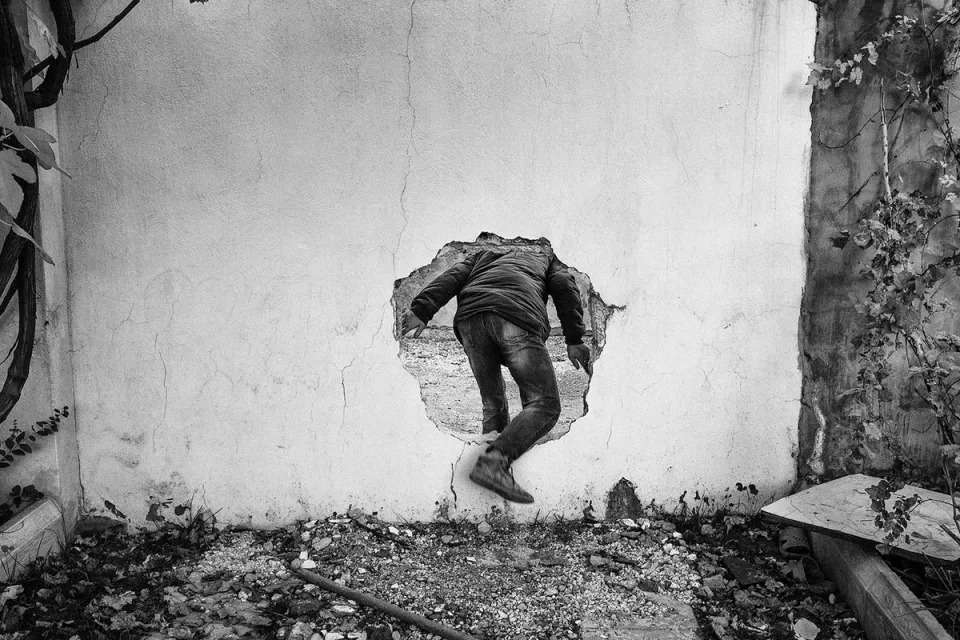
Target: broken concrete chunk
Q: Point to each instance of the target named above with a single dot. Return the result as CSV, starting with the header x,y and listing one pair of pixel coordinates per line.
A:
x,y
744,572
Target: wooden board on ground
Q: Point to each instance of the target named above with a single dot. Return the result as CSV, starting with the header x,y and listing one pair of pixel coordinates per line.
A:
x,y
841,508
883,604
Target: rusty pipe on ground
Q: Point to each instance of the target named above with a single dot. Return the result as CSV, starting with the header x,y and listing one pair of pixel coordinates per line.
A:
x,y
368,600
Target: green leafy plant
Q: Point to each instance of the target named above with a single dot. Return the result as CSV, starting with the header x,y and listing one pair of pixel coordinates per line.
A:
x,y
183,522
892,522
909,243
20,497
20,442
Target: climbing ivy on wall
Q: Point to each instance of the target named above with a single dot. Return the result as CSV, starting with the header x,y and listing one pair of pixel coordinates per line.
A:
x,y
907,242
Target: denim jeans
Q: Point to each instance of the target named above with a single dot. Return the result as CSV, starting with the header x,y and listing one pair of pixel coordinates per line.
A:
x,y
491,341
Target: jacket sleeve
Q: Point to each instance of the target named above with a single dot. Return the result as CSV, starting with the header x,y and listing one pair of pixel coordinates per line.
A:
x,y
562,286
439,292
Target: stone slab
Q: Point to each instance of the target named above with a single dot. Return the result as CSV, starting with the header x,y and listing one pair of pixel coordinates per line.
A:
x,y
676,623
841,508
37,532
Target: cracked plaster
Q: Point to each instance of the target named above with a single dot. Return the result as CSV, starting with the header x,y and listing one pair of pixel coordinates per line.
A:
x,y
249,184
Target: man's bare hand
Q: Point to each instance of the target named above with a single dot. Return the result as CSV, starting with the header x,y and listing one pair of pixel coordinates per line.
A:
x,y
579,355
410,322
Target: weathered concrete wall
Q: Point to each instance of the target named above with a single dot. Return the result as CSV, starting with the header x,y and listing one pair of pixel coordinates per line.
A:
x,y
845,181
249,182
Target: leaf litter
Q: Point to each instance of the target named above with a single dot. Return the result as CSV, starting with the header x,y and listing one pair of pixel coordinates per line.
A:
x,y
500,580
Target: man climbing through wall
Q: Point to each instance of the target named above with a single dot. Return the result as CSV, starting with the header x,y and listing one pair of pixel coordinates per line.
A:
x,y
502,319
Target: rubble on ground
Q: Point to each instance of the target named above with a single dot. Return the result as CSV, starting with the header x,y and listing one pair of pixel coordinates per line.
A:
x,y
499,580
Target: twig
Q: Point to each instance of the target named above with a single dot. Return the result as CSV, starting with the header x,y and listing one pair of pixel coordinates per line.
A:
x,y
46,62
110,25
368,600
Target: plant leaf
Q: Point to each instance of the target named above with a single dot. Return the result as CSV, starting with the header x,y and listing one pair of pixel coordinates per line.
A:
x,y
7,119
51,46
37,141
8,219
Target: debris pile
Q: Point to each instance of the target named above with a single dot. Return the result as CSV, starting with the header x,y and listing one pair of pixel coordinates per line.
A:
x,y
497,580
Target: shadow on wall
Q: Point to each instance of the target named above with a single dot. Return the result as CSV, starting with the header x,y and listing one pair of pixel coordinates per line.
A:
x,y
439,364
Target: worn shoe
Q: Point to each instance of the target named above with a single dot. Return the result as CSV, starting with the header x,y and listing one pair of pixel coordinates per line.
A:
x,y
493,472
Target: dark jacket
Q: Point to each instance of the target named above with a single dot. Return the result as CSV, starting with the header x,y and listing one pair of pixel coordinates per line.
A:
x,y
514,285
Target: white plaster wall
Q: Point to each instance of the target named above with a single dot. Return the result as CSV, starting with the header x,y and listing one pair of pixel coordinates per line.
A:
x,y
249,181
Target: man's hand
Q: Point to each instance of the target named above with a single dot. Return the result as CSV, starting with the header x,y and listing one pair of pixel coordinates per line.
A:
x,y
579,354
410,322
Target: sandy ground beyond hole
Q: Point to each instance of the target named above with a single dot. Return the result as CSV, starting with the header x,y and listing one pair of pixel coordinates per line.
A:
x,y
447,386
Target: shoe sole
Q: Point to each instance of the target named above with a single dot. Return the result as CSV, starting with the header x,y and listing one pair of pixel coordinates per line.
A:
x,y
500,492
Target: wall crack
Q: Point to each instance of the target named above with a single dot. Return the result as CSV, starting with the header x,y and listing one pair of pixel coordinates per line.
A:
x,y
163,418
410,135
453,468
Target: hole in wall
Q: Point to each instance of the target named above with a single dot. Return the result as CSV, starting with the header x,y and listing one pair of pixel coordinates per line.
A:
x,y
438,362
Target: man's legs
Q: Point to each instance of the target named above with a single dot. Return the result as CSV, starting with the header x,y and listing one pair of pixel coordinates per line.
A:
x,y
485,359
490,341
528,360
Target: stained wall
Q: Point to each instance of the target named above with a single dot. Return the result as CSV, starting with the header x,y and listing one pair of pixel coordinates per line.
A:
x,y
250,180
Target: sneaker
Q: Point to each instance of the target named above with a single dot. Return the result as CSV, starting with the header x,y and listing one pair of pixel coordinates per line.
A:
x,y
493,472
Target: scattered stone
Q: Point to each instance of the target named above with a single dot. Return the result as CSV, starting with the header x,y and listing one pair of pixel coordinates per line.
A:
x,y
304,607
716,583
609,538
300,631
319,544
484,527
343,610
743,599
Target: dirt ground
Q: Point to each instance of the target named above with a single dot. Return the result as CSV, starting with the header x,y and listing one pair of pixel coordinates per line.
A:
x,y
495,580
448,389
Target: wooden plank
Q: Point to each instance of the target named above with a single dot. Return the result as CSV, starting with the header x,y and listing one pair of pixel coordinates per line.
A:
x,y
37,532
841,508
885,607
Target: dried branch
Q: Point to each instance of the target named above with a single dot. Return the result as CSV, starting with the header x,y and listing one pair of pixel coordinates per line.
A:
x,y
99,34
23,352
40,66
